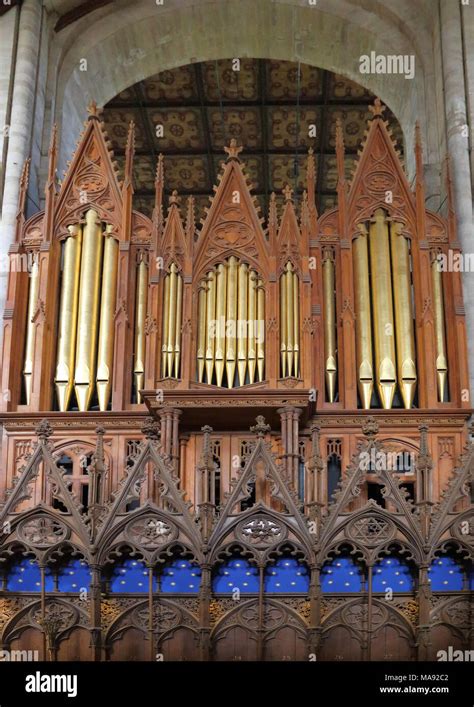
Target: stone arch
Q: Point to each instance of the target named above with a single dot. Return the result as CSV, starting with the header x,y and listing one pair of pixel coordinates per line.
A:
x,y
147,40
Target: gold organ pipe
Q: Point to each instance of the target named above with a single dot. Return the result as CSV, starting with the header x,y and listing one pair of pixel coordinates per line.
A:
x,y
440,333
88,319
382,305
177,334
365,371
221,288
173,275
296,322
252,315
260,330
202,329
330,353
166,312
105,355
405,338
231,320
30,328
283,327
140,316
289,318
210,331
242,322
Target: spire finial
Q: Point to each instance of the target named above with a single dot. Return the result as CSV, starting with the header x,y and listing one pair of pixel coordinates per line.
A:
x,y
377,109
287,193
174,198
233,151
93,111
261,428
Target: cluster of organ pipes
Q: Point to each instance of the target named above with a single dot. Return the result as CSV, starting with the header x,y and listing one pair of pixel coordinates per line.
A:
x,y
172,315
86,326
231,325
85,350
289,322
385,339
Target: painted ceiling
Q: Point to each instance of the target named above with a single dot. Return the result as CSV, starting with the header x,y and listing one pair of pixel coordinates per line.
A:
x,y
271,112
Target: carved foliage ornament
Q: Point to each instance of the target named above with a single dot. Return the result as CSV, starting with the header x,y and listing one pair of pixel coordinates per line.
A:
x,y
150,532
42,531
260,531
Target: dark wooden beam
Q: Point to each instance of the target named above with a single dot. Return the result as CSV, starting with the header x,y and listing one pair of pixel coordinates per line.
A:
x,y
80,11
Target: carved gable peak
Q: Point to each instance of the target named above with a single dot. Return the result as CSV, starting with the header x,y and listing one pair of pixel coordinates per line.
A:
x,y
289,235
91,180
379,180
232,223
174,244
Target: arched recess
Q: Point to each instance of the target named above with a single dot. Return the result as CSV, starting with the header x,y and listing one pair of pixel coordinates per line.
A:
x,y
145,40
30,639
129,644
75,645
180,644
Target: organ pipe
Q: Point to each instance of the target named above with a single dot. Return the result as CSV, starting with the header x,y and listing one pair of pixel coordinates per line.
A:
x,y
231,334
242,317
105,355
88,313
365,373
330,351
283,327
173,297
177,334
405,337
201,347
210,329
164,343
260,329
296,323
382,305
221,291
30,328
140,316
440,332
252,316
290,331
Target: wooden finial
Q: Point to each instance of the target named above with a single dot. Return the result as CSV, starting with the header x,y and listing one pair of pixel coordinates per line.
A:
x,y
190,219
287,192
174,198
233,151
93,111
377,109
129,153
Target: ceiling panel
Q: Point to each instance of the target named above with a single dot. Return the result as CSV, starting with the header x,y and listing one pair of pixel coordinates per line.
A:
x,y
265,105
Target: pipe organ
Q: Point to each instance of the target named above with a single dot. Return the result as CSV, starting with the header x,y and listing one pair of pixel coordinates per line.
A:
x,y
371,326
231,325
162,344
289,322
172,315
